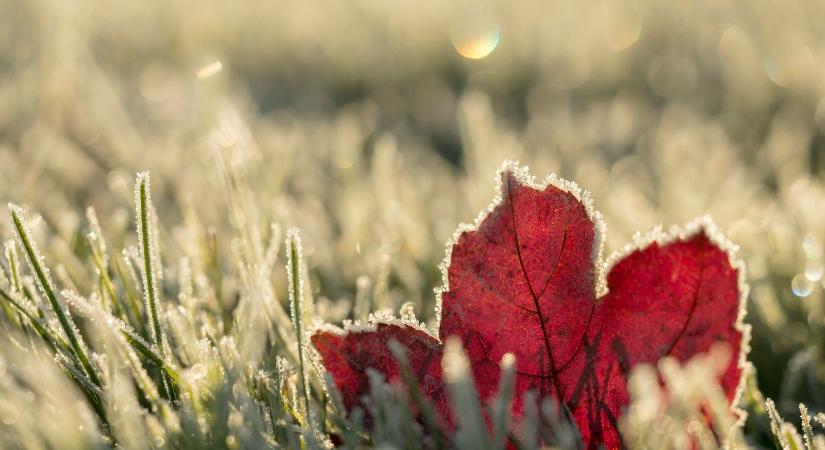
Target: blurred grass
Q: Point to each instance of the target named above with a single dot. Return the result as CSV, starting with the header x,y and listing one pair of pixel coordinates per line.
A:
x,y
361,124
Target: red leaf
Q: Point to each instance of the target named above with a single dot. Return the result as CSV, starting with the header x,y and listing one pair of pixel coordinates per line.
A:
x,y
528,280
348,355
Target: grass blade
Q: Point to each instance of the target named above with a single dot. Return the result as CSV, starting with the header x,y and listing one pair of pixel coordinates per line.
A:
x,y
501,406
425,408
100,257
44,282
466,407
134,340
148,261
296,303
11,257
806,427
41,328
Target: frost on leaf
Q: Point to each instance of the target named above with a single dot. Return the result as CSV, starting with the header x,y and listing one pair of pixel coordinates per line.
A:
x,y
528,279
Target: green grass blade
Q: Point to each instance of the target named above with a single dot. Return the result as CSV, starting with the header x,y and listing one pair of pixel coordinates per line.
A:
x,y
11,257
129,285
806,427
143,348
297,307
148,261
97,247
472,431
137,343
44,282
53,340
501,405
424,406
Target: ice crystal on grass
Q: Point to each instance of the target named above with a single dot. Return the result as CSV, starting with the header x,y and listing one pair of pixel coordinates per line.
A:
x,y
149,263
14,270
680,400
806,427
785,434
46,287
787,437
150,270
298,308
131,369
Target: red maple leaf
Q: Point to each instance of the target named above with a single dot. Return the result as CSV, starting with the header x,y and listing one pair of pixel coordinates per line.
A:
x,y
528,279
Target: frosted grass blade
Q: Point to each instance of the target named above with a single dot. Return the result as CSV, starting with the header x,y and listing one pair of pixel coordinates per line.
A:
x,y
44,282
149,262
297,307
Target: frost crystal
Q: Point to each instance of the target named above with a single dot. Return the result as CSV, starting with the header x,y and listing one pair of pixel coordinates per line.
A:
x,y
149,267
297,304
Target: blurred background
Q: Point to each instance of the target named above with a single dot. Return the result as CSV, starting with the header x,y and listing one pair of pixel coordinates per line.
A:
x,y
377,127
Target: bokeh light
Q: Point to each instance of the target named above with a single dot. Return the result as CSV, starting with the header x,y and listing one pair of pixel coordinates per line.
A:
x,y
802,286
475,35
209,70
